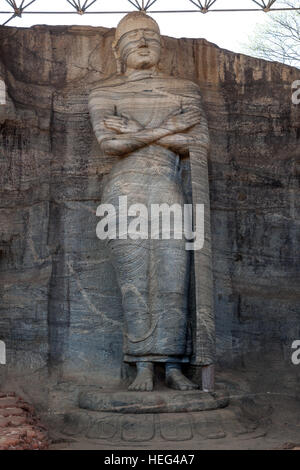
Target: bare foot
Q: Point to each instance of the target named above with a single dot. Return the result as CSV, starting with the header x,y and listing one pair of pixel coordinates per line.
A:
x,y
176,380
144,379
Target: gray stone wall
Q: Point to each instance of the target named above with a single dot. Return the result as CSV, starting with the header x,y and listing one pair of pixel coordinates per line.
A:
x,y
60,307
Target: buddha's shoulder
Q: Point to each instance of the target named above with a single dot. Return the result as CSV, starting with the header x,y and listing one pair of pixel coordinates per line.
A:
x,y
120,82
180,84
107,84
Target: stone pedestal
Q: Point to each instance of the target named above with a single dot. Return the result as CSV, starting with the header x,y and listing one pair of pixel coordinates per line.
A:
x,y
165,401
155,418
158,429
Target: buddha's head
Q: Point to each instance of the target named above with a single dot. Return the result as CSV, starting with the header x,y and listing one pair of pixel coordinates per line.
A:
x,y
137,42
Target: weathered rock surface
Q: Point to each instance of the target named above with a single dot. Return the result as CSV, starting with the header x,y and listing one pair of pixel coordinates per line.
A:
x,y
60,308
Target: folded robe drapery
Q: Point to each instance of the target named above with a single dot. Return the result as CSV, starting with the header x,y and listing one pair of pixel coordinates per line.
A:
x,y
204,321
103,101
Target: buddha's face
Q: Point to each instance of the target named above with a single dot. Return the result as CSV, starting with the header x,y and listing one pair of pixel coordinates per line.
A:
x,y
139,49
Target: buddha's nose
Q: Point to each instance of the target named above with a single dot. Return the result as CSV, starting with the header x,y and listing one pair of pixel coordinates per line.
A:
x,y
142,41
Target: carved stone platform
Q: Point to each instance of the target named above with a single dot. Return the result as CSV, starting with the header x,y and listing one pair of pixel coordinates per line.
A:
x,y
120,430
122,426
165,401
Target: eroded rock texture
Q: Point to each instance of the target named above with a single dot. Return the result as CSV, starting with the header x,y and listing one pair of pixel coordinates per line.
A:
x,y
60,304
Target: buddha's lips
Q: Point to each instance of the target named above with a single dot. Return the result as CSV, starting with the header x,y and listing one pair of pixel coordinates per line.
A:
x,y
144,52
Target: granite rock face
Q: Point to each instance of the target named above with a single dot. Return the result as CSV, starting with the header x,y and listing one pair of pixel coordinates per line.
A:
x,y
60,309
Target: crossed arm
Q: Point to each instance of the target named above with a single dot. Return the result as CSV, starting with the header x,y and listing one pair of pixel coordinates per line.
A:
x,y
129,135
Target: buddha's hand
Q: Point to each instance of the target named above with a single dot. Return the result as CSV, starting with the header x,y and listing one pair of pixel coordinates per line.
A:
x,y
182,120
122,124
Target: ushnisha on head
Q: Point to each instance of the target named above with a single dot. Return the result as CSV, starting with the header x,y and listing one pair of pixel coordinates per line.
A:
x,y
137,42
